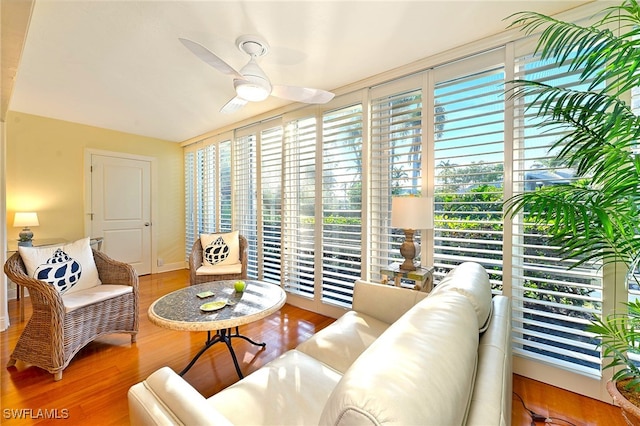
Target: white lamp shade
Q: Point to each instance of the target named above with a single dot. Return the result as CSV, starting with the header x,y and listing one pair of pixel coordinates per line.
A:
x,y
411,212
25,219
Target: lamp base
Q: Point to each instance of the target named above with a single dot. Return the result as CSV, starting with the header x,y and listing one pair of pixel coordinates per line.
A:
x,y
408,265
409,250
26,235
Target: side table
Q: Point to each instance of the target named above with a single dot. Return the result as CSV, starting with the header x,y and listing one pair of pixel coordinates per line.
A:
x,y
422,277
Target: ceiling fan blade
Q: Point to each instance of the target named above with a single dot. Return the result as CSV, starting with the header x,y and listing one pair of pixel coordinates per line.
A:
x,y
209,57
233,105
302,94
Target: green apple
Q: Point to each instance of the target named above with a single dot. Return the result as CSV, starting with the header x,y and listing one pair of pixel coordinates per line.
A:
x,y
239,286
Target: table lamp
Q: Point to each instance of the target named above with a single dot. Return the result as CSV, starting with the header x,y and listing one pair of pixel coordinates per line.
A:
x,y
25,219
409,214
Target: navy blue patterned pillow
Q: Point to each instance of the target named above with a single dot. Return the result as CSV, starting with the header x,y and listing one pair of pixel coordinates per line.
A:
x,y
68,267
61,271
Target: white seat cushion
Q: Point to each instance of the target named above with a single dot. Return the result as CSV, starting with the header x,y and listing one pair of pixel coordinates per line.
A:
x,y
341,344
91,295
290,390
219,269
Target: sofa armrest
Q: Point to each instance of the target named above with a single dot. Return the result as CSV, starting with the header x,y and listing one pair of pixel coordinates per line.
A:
x,y
165,398
383,302
491,400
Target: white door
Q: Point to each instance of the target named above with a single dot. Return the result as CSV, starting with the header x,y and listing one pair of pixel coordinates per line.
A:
x,y
121,209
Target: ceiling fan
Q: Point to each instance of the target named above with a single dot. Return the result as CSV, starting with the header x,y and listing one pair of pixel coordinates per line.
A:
x,y
251,83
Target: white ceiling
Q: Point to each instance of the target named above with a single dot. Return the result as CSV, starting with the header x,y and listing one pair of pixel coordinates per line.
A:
x,y
119,64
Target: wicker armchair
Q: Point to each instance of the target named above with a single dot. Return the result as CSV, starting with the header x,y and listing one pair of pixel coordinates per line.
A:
x,y
53,336
195,261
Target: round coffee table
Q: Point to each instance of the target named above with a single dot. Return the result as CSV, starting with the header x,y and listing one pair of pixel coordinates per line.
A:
x,y
181,310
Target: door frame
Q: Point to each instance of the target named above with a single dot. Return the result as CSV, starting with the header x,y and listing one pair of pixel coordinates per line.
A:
x,y
88,152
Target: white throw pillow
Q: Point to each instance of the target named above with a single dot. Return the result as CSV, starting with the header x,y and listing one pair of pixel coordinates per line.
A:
x,y
220,249
68,267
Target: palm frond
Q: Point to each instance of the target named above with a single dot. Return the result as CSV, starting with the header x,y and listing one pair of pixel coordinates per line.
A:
x,y
600,54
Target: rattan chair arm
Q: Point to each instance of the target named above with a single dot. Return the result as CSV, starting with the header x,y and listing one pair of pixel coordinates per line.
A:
x,y
112,271
43,295
244,257
195,260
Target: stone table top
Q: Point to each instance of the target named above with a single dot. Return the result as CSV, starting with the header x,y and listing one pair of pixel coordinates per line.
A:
x,y
180,310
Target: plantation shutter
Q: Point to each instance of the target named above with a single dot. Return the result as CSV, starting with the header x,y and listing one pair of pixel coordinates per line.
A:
x,y
552,304
299,206
207,190
224,193
207,169
271,189
396,163
341,203
190,179
245,196
468,161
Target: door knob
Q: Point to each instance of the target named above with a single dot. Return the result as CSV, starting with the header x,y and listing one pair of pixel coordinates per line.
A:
x,y
147,224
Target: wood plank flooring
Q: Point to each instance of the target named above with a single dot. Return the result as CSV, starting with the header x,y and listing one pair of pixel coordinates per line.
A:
x,y
93,389
563,407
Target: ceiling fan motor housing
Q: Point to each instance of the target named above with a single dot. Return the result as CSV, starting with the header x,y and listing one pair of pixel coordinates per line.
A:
x,y
255,86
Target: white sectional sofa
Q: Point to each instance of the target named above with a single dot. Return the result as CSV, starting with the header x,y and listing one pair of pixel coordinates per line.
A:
x,y
399,357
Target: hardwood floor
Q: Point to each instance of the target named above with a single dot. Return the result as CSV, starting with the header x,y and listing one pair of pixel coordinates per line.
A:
x,y
563,407
93,389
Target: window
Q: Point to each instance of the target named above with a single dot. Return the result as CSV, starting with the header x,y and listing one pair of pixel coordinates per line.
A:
x,y
207,191
552,303
396,166
271,189
299,206
189,199
341,203
468,129
224,167
206,187
245,197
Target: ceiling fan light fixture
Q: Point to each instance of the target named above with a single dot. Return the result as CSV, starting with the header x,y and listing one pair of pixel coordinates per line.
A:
x,y
252,91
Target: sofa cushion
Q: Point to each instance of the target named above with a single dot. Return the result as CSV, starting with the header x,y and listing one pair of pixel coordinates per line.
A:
x,y
78,299
340,344
431,350
290,390
67,267
472,281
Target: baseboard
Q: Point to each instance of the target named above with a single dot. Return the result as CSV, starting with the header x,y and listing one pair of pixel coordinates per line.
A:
x,y
4,323
170,267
